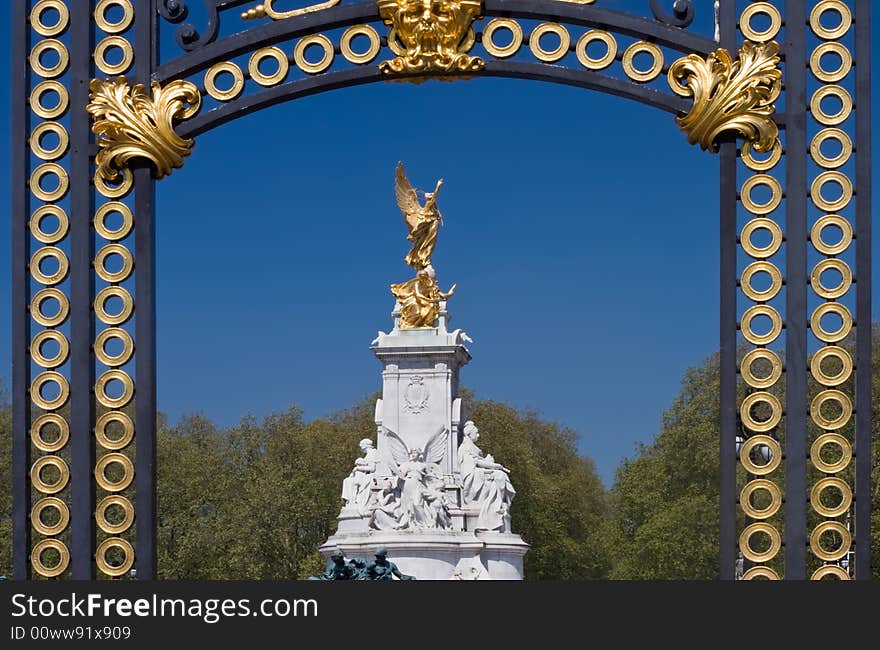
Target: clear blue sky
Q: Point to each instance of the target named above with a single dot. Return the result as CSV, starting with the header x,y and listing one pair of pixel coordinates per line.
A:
x,y
581,229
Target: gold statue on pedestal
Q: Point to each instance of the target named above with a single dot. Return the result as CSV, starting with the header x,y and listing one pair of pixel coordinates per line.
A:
x,y
420,297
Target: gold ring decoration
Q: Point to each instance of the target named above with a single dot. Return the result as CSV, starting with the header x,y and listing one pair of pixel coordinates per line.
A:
x,y
761,397
268,53
761,208
101,556
364,57
101,468
37,512
56,46
41,380
642,75
36,100
55,253
101,217
761,165
822,485
49,461
37,221
101,514
114,191
37,558
831,439
761,267
593,36
101,389
746,537
761,310
831,308
37,307
830,76
836,32
127,305
101,52
516,39
211,81
42,129
834,264
36,348
101,261
830,570
761,223
39,424
826,527
299,53
846,105
834,352
823,179
831,220
846,148
101,342
549,56
122,24
394,43
745,455
760,484
42,28
760,572
761,382
37,178
101,430
745,22
831,395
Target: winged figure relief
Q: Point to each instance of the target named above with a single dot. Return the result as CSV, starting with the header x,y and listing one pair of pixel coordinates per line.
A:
x,y
423,221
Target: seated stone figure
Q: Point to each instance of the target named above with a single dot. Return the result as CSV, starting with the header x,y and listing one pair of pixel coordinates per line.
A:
x,y
485,483
356,487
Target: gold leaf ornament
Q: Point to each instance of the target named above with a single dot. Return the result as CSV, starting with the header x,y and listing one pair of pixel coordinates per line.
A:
x,y
129,123
730,95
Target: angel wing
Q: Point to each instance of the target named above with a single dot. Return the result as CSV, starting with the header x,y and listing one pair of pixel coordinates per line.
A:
x,y
435,448
407,199
396,447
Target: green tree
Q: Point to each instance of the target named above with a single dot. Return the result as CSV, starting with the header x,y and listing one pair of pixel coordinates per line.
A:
x,y
5,482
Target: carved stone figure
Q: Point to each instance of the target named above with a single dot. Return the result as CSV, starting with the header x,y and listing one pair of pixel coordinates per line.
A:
x,y
385,511
484,483
356,487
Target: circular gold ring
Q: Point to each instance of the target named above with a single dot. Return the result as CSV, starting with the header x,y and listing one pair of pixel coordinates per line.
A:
x,y
846,105
49,127
211,81
760,572
37,557
590,37
775,368
746,537
831,177
831,439
42,379
761,208
831,292
834,352
642,75
394,43
114,68
101,217
37,303
761,165
765,8
101,260
831,395
760,484
761,397
49,362
37,432
299,53
127,305
49,461
830,570
840,551
760,310
37,96
830,5
822,485
761,267
37,219
745,456
114,333
101,556
364,57
549,56
101,430
37,512
516,38
122,24
37,178
101,514
268,53
101,389
55,253
110,459
846,148
114,192
830,76
831,308
56,46
42,28
761,223
831,220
